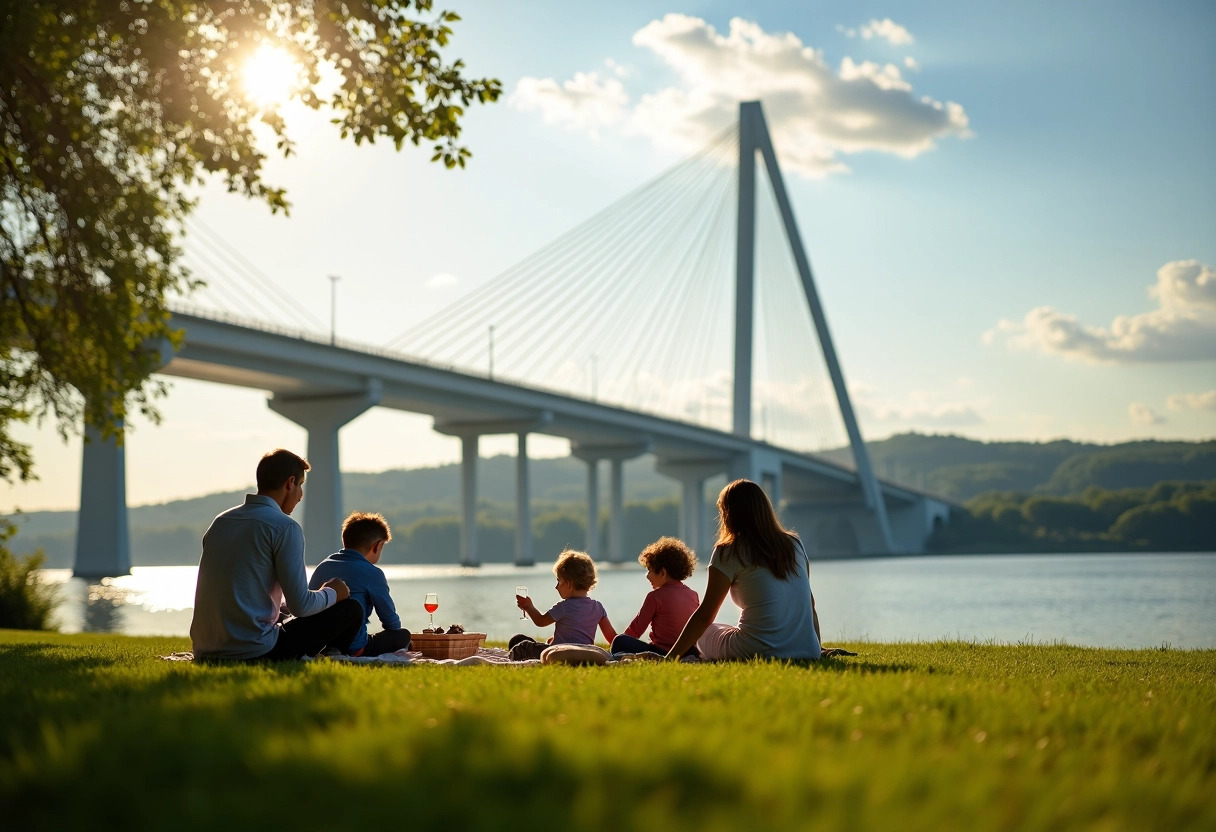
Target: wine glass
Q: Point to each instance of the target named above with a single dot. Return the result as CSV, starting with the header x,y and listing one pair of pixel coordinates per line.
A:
x,y
431,603
523,592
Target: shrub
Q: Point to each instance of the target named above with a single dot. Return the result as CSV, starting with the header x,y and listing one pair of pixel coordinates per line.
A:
x,y
26,602
1109,505
1188,523
1056,513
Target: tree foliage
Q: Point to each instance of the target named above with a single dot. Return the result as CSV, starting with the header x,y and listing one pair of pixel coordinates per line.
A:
x,y
961,469
1134,465
1169,516
1061,512
111,109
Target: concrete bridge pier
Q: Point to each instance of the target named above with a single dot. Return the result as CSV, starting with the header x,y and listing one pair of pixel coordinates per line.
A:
x,y
616,511
762,468
103,543
523,504
616,455
470,434
469,450
593,507
692,475
470,441
322,416
103,548
692,512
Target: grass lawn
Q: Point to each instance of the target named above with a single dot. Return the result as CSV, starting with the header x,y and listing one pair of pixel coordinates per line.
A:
x,y
95,732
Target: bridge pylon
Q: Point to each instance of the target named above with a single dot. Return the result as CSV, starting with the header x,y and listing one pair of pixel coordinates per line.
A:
x,y
754,138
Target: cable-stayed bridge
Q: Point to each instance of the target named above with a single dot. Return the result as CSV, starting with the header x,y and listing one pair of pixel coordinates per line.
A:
x,y
681,321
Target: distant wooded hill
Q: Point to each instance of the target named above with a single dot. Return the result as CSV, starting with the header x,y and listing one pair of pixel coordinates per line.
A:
x,y
960,469
423,504
1061,496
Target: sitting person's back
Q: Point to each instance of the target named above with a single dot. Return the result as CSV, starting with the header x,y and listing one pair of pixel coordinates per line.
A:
x,y
252,572
363,539
576,616
240,585
764,568
669,604
777,614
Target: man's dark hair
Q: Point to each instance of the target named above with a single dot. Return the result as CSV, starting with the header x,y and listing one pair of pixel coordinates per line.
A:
x,y
277,466
362,530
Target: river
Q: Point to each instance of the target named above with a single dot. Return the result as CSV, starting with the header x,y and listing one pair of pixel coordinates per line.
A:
x,y
1115,600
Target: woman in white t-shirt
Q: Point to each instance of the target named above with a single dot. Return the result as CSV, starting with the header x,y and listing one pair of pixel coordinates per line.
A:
x,y
765,569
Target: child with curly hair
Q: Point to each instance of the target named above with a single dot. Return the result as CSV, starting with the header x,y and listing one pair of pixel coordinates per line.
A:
x,y
669,605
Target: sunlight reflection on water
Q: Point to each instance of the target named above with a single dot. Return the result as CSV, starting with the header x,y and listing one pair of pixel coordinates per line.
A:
x,y
1125,600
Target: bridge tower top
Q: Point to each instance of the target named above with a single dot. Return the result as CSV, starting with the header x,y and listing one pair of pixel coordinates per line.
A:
x,y
754,138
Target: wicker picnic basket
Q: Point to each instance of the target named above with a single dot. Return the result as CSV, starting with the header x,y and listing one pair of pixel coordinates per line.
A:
x,y
443,646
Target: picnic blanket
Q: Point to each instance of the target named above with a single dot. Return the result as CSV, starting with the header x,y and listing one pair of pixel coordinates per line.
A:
x,y
483,656
560,654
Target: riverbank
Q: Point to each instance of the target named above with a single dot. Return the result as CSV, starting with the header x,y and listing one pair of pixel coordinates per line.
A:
x,y
99,733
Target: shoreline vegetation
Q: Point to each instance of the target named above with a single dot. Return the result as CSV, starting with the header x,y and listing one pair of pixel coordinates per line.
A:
x,y
914,735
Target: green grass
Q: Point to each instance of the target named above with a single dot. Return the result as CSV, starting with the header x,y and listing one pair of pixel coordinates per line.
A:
x,y
95,732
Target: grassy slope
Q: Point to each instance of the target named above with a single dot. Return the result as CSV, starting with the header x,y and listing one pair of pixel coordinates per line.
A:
x,y
95,732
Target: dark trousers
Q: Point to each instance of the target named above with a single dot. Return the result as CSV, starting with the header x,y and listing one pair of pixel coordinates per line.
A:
x,y
386,641
333,627
629,644
521,648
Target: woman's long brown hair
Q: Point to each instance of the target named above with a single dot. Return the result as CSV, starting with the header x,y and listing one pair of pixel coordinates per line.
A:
x,y
747,520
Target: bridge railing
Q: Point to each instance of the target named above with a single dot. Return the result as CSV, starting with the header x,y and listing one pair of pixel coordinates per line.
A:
x,y
892,477
219,316
363,348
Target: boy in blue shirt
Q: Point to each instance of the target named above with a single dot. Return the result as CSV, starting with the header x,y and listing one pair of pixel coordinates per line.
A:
x,y
363,539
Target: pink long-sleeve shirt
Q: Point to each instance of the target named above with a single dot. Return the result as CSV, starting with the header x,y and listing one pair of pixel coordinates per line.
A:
x,y
666,610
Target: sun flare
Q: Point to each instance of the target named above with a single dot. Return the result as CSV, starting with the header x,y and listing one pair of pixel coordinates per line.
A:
x,y
270,76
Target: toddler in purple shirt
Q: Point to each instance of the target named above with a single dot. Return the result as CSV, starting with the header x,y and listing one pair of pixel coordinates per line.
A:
x,y
575,617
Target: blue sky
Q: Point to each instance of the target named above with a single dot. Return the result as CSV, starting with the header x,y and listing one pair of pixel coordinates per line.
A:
x,y
988,275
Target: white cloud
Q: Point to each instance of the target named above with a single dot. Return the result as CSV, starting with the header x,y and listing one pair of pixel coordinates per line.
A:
x,y
1185,283
616,69
884,77
1192,401
1142,414
441,281
815,114
586,102
951,415
1182,328
911,64
887,29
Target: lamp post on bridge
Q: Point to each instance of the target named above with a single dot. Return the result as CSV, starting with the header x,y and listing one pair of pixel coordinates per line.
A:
x,y
491,374
333,309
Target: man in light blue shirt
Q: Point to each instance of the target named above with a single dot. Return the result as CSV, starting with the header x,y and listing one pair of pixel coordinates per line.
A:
x,y
252,573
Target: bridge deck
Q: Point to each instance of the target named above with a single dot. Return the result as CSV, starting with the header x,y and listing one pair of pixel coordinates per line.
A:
x,y
300,365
